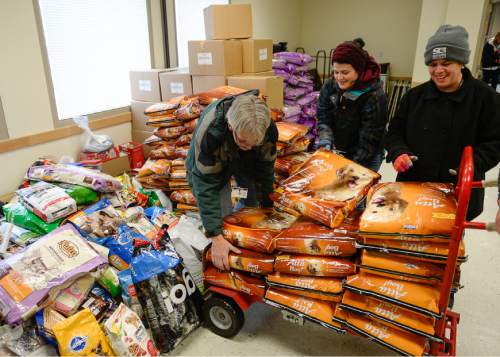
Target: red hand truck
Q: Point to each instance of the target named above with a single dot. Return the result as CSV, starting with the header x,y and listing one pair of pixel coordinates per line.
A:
x,y
223,310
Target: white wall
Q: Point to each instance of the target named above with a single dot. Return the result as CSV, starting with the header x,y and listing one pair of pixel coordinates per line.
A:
x,y
389,28
279,20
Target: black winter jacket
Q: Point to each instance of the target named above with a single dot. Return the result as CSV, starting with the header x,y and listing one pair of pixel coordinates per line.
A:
x,y
353,121
437,126
489,57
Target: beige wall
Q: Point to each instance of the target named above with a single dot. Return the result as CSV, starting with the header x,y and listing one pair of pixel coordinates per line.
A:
x,y
389,28
279,20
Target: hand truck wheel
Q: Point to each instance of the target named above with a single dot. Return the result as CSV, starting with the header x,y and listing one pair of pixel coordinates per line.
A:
x,y
223,316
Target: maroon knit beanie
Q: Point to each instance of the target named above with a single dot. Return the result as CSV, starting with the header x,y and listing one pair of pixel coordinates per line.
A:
x,y
348,52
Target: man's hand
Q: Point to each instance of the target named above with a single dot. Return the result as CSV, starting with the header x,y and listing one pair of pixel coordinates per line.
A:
x,y
497,220
403,162
220,252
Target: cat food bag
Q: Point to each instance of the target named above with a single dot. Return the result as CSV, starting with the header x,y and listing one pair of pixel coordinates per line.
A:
x,y
183,196
235,281
400,268
329,289
249,261
313,266
184,139
308,237
254,228
47,201
163,152
410,208
155,167
160,109
415,250
389,314
327,180
290,132
75,175
127,334
81,335
288,165
170,133
190,125
70,299
317,311
419,298
401,342
189,109
27,276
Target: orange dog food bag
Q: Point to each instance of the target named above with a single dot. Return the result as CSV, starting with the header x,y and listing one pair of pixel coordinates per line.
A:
x,y
313,266
329,289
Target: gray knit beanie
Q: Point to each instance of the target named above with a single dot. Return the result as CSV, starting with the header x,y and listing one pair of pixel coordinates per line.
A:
x,y
449,42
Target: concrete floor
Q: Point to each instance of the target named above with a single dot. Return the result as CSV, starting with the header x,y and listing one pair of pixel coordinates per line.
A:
x,y
266,333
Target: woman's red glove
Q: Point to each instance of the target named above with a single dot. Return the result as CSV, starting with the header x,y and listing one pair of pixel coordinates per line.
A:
x,y
403,162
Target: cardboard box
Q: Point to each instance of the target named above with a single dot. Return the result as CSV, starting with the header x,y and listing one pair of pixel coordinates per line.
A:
x,y
257,55
223,22
116,167
265,73
139,136
269,86
215,57
139,119
175,83
204,83
145,85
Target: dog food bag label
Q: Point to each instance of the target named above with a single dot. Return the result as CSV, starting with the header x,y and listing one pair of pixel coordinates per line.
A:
x,y
414,208
27,276
127,334
234,281
330,177
316,310
254,228
288,165
308,237
329,289
416,297
81,335
313,266
400,268
386,312
290,132
47,201
249,261
402,342
426,251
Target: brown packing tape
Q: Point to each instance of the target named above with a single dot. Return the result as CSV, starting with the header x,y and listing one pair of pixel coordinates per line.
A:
x,y
388,313
249,261
416,208
316,310
313,266
401,268
397,340
420,298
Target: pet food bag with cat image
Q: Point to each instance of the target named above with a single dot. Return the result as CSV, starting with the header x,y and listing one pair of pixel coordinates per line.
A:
x,y
410,208
326,184
328,289
249,261
313,266
318,311
254,228
416,297
389,314
400,268
308,237
235,281
402,342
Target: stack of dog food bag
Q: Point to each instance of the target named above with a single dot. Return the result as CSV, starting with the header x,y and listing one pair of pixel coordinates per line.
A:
x,y
87,268
291,146
304,247
404,233
300,97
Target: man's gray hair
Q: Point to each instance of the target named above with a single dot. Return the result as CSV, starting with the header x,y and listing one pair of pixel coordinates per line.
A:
x,y
249,117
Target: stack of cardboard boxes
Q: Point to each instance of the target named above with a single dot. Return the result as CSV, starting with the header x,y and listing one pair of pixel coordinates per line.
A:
x,y
230,56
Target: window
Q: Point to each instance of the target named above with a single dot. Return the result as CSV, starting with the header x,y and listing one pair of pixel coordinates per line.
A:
x,y
190,24
92,45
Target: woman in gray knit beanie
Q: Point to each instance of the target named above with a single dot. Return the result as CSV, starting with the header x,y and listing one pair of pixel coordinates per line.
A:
x,y
439,118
